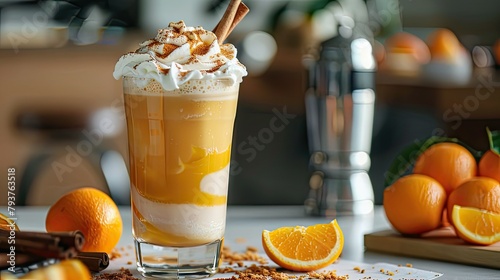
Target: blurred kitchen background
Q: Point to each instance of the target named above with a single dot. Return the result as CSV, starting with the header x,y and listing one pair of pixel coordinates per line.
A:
x,y
62,122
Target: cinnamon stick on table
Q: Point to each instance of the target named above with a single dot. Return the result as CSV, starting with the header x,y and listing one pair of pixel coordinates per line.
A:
x,y
95,261
36,247
234,13
22,260
60,245
62,239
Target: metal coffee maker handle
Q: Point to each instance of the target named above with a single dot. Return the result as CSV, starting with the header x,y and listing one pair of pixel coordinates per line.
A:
x,y
340,108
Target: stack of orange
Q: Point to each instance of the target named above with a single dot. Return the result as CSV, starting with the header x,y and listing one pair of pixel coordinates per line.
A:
x,y
448,186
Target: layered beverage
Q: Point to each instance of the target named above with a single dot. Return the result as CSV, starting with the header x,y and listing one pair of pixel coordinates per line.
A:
x,y
179,149
180,93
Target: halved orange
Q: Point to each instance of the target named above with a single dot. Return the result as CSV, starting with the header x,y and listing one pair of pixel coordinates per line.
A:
x,y
71,269
304,248
6,223
476,226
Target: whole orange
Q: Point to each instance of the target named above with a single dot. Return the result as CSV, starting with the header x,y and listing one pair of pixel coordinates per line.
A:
x,y
414,204
449,163
489,165
444,45
478,192
92,212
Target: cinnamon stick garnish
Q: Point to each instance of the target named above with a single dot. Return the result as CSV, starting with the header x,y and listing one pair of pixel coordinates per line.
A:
x,y
234,13
241,12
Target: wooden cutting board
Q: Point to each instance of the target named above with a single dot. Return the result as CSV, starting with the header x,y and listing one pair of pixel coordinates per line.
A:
x,y
440,245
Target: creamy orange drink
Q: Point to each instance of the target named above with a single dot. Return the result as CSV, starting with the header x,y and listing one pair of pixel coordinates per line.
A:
x,y
179,149
180,93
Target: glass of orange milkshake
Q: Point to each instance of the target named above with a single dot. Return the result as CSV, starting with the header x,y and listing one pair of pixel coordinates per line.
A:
x,y
180,93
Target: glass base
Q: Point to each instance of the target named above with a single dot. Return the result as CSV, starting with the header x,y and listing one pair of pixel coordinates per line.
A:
x,y
178,262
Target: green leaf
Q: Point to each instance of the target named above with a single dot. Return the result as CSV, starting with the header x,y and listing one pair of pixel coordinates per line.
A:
x,y
494,138
404,162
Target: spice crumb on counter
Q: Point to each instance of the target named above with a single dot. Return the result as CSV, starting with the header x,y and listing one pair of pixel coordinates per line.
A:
x,y
241,240
358,269
123,274
251,254
115,254
261,271
237,263
327,275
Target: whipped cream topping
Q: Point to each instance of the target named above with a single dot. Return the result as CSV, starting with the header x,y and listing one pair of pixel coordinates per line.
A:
x,y
179,54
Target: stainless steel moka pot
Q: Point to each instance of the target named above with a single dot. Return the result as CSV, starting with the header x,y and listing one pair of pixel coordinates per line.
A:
x,y
340,108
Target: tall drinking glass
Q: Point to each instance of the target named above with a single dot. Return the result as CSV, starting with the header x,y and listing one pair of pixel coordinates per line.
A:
x,y
179,152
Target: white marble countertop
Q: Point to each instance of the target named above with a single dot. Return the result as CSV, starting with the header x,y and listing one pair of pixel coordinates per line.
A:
x,y
245,224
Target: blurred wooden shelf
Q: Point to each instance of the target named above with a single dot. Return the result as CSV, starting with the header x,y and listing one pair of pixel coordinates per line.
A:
x,y
478,99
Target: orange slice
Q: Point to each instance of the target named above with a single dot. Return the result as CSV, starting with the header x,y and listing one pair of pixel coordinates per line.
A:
x,y
70,269
6,223
304,248
476,226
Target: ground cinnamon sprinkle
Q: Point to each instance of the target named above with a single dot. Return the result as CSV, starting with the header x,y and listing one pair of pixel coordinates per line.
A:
x,y
327,275
262,272
251,254
235,260
123,274
259,272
